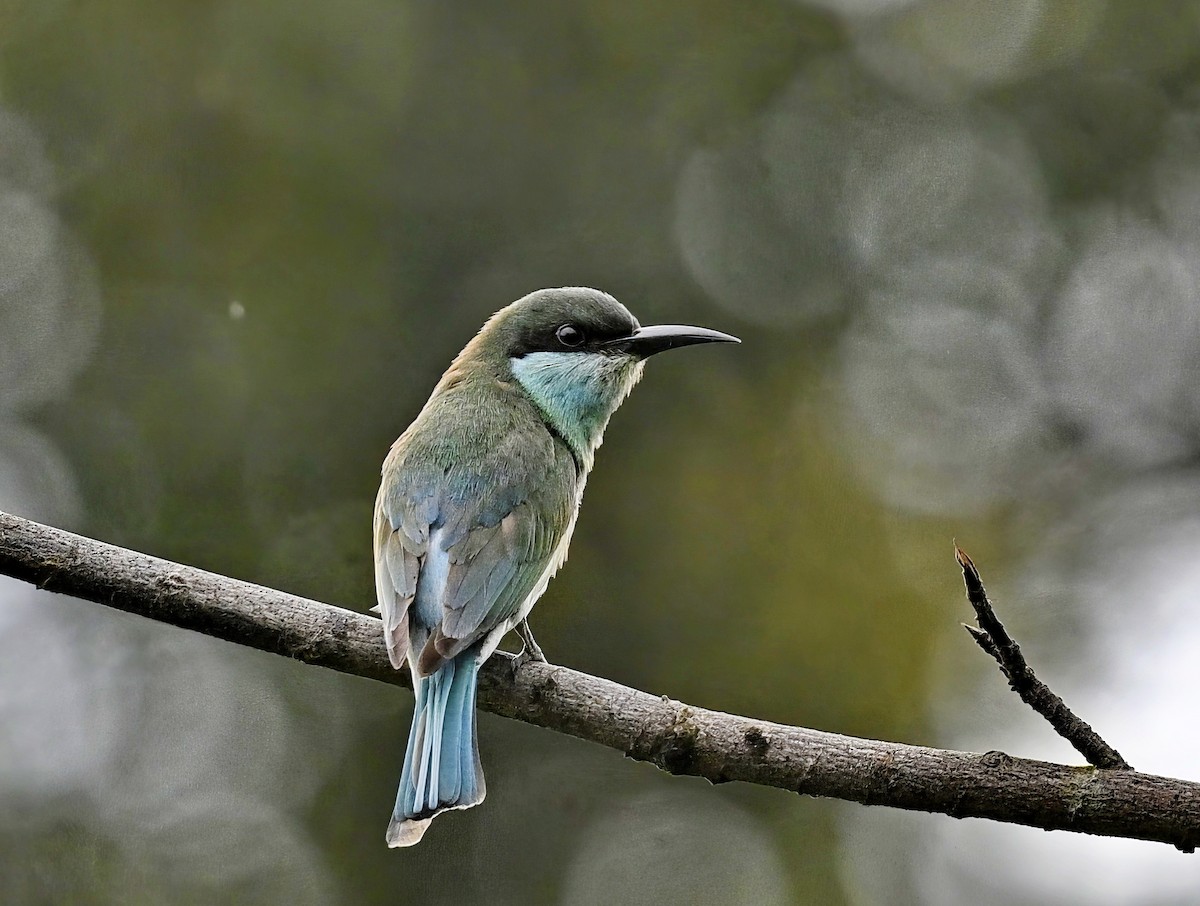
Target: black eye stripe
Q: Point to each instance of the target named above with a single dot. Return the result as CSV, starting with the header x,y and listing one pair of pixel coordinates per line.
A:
x,y
567,331
569,335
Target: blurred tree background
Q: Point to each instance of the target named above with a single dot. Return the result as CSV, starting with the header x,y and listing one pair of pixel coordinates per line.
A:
x,y
239,241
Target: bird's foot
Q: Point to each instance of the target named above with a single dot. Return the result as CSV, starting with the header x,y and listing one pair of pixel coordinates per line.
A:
x,y
529,646
530,651
519,660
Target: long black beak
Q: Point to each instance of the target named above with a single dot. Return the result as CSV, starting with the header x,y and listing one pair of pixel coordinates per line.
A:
x,y
646,341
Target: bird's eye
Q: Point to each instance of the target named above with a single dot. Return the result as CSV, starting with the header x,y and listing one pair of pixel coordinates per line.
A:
x,y
569,335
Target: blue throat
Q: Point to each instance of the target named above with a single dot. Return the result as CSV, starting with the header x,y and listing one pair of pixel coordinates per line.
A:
x,y
577,392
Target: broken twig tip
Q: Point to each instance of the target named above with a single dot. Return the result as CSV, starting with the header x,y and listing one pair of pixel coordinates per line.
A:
x,y
963,560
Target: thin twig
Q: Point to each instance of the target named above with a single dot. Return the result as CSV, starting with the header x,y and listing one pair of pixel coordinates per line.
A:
x,y
993,638
678,738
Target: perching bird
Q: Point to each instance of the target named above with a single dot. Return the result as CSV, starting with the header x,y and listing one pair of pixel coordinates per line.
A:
x,y
476,508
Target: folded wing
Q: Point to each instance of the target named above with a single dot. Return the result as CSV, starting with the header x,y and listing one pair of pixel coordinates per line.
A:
x,y
467,532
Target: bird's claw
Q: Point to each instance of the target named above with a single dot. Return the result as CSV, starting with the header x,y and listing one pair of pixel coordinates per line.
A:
x,y
519,660
530,651
529,645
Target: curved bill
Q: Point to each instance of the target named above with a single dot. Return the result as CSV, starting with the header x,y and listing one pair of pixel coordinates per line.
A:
x,y
646,341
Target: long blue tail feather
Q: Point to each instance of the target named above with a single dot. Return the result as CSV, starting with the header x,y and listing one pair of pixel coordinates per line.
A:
x,y
442,770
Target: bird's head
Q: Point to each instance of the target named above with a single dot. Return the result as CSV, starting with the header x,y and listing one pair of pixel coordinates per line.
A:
x,y
577,352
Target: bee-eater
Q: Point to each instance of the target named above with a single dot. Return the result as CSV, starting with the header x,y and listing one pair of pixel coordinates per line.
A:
x,y
476,508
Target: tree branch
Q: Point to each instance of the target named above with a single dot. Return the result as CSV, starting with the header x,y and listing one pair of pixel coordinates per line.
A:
x,y
994,639
676,737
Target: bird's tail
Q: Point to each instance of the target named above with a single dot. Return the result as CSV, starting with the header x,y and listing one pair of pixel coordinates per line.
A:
x,y
441,767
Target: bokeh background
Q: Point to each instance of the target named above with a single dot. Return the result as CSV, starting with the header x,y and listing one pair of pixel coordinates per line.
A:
x,y
239,241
